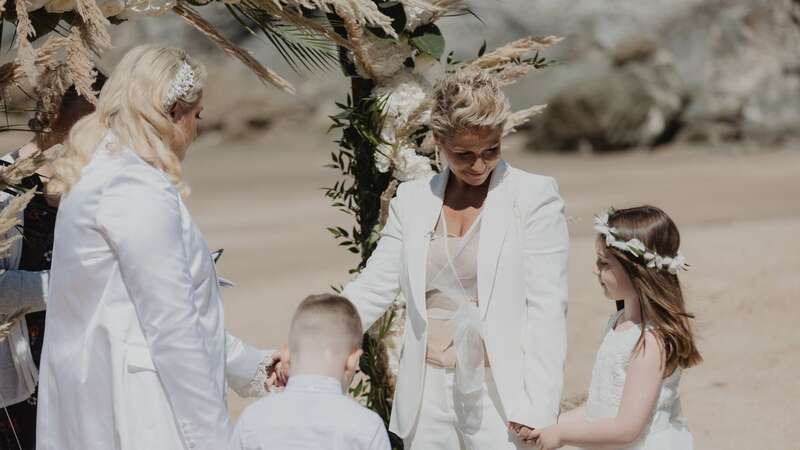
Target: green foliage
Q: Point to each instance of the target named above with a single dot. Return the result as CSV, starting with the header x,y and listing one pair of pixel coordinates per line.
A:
x,y
428,39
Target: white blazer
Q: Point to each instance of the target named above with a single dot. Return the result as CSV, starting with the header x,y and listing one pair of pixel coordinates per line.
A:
x,y
135,351
522,290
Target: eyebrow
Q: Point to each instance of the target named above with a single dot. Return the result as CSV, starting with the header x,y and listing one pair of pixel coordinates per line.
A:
x,y
465,150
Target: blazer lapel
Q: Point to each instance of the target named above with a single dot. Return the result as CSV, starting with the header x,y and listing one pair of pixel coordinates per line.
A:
x,y
426,210
497,214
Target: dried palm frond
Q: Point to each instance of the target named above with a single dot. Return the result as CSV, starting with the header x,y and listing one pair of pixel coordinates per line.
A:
x,y
53,83
79,65
26,55
355,34
521,117
511,74
10,74
265,74
9,218
300,40
363,12
94,26
511,53
12,175
293,17
444,7
7,322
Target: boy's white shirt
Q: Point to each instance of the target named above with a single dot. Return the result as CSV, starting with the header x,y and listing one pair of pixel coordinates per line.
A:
x,y
312,412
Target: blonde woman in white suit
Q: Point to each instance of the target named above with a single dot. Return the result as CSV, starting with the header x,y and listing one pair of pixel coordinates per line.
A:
x,y
136,355
479,252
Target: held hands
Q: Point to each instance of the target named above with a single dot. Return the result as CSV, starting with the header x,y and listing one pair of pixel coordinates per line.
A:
x,y
545,439
278,371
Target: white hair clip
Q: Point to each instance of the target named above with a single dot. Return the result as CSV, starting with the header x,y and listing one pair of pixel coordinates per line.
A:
x,y
183,83
634,246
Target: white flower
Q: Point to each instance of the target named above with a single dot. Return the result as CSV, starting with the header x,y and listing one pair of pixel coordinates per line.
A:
x,y
408,165
404,161
636,247
404,93
416,16
386,56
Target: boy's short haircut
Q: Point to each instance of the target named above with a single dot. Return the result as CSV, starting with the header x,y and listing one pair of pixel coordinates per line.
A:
x,y
325,321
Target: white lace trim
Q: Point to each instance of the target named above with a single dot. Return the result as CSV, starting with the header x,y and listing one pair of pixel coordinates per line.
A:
x,y
257,387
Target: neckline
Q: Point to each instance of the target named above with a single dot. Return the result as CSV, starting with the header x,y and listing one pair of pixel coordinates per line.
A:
x,y
615,325
314,383
466,233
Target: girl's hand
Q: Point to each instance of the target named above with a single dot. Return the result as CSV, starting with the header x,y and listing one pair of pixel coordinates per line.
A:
x,y
548,438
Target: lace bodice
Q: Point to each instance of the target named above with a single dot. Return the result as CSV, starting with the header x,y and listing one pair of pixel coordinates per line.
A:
x,y
608,382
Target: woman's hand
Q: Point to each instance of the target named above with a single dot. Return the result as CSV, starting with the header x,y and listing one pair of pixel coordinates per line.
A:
x,y
524,432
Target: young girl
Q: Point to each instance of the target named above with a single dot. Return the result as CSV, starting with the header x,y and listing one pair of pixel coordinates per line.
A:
x,y
633,399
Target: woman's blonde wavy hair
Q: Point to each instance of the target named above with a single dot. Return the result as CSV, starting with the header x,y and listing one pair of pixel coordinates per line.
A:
x,y
131,106
468,99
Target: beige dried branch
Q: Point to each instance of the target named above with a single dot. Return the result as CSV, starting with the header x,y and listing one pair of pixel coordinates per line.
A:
x,y
521,117
26,55
79,65
355,34
9,218
513,51
511,74
95,26
446,6
304,23
13,174
265,74
363,12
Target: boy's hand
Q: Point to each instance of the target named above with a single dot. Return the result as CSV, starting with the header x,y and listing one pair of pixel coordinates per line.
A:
x,y
281,364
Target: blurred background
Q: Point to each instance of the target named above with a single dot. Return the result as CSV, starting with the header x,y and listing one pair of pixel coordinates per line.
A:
x,y
690,105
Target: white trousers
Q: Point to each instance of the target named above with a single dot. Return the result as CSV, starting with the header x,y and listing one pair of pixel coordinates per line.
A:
x,y
444,422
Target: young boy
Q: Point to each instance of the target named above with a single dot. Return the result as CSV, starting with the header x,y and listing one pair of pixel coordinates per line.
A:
x,y
313,411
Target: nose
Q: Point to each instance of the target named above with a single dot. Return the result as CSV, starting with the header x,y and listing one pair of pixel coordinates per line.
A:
x,y
479,165
595,271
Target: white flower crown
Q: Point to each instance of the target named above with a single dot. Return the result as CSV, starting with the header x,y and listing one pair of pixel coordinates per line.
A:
x,y
634,246
183,83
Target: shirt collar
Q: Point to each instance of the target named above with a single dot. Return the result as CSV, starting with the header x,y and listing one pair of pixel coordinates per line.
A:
x,y
314,383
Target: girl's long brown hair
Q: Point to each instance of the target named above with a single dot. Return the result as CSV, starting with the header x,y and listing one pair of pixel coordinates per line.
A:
x,y
660,294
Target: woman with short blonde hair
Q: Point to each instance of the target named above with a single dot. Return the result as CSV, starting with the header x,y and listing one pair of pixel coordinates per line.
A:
x,y
479,252
136,355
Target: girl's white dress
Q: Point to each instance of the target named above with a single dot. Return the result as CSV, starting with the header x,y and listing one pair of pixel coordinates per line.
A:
x,y
667,427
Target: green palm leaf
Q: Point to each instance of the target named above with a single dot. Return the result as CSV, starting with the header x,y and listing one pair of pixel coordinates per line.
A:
x,y
298,46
